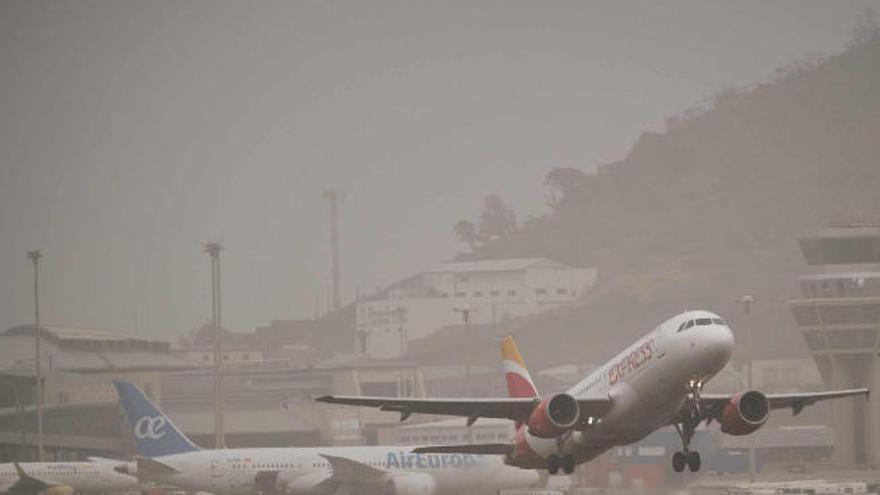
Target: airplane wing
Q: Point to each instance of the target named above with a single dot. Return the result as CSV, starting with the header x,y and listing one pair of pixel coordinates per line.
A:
x,y
796,401
485,448
348,471
27,484
516,409
153,470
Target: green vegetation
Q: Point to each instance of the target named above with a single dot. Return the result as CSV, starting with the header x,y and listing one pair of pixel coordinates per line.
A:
x,y
709,210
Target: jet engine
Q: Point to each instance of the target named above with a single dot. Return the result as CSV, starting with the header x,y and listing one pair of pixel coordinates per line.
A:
x,y
411,484
745,413
554,416
59,490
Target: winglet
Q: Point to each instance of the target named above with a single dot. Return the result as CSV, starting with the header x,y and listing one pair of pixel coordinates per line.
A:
x,y
519,380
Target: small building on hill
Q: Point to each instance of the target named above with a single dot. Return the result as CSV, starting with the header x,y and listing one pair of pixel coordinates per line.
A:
x,y
487,292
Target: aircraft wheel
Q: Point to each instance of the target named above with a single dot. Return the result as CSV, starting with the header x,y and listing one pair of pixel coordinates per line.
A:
x,y
568,464
553,464
678,462
693,461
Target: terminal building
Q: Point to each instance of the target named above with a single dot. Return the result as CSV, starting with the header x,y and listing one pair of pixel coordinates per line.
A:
x,y
838,312
81,417
491,291
268,399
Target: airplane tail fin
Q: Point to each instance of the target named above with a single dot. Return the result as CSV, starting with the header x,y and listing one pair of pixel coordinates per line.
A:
x,y
519,381
156,435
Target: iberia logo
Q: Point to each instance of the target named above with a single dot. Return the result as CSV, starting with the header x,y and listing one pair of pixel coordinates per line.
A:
x,y
632,361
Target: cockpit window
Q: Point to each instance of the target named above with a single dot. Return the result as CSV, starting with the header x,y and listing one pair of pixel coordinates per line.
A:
x,y
690,323
718,321
704,321
681,327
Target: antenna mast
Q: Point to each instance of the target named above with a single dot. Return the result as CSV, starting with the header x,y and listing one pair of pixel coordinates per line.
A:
x,y
333,196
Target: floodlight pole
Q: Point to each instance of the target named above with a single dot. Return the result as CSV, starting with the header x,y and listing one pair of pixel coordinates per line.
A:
x,y
35,257
401,328
213,249
466,316
747,302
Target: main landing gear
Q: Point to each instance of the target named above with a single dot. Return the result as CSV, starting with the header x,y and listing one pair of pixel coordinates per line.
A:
x,y
555,462
558,460
685,428
691,459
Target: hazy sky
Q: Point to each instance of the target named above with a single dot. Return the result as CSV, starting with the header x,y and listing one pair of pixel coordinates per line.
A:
x,y
132,132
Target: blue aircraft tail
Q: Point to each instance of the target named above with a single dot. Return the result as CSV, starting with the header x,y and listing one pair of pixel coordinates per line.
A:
x,y
156,435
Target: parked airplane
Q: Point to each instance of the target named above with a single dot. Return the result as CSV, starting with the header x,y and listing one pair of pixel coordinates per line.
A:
x,y
654,383
169,457
63,478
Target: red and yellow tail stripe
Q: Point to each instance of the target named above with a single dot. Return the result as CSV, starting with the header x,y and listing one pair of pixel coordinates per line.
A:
x,y
519,381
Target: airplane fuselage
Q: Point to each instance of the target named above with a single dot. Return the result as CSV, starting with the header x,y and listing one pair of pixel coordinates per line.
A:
x,y
80,476
304,470
648,383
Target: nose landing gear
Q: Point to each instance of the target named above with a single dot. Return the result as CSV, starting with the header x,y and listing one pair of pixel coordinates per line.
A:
x,y
685,428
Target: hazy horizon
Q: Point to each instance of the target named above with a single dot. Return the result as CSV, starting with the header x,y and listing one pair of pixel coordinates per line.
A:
x,y
132,132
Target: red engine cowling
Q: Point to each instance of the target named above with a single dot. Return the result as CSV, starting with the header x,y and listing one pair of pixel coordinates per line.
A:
x,y
745,413
554,416
521,454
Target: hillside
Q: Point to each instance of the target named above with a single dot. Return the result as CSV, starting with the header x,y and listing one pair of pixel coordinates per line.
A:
x,y
709,210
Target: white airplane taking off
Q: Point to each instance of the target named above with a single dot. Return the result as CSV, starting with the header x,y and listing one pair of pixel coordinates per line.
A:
x,y
63,478
654,383
169,457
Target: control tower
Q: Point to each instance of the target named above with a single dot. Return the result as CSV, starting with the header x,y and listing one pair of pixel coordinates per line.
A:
x,y
839,317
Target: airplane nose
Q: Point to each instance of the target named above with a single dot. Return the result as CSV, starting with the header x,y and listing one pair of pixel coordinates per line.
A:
x,y
722,343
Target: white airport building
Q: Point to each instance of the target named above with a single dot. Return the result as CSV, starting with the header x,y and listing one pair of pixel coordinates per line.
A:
x,y
491,292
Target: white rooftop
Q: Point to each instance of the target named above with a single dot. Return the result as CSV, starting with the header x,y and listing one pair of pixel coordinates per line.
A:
x,y
61,332
513,264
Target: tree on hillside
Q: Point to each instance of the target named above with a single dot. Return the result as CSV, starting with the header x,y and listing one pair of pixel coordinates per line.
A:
x,y
559,182
866,28
465,231
497,220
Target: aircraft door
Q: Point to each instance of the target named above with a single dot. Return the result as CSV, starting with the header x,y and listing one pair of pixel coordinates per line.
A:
x,y
217,468
217,474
